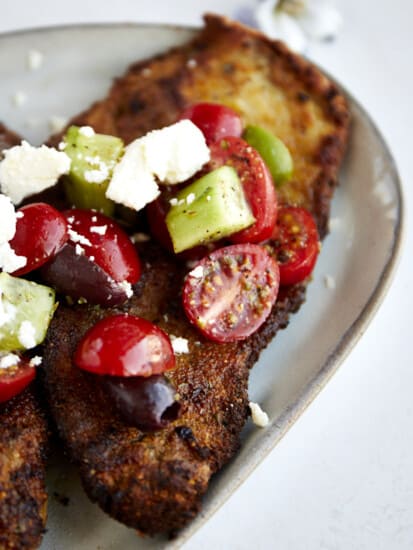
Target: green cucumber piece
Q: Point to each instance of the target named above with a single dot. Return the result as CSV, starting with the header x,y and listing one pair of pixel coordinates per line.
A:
x,y
93,157
208,209
26,302
274,152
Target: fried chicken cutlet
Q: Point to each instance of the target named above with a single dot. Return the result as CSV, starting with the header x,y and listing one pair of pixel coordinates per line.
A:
x,y
23,441
154,482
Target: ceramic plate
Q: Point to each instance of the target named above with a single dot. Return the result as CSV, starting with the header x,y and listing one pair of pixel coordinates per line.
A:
x,y
358,257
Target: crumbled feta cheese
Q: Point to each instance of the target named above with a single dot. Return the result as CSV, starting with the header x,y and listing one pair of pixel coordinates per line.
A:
x,y
34,59
26,170
179,345
140,238
97,176
56,124
259,417
9,260
79,250
132,183
198,272
127,287
9,360
173,201
19,98
208,198
76,237
8,219
86,131
99,229
176,152
62,146
190,198
329,281
27,334
36,361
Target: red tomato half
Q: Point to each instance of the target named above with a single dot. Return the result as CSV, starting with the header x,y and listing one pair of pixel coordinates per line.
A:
x,y
103,240
125,345
257,183
13,380
295,244
41,231
215,121
231,292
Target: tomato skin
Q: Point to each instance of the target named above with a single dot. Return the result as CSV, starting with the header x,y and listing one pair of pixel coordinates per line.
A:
x,y
233,292
15,379
294,244
40,233
214,120
257,184
113,251
125,345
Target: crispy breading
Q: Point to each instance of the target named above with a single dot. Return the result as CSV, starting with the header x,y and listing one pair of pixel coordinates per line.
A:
x,y
23,441
23,498
154,482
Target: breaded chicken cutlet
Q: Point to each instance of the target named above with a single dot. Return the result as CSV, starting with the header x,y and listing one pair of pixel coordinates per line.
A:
x,y
23,442
154,482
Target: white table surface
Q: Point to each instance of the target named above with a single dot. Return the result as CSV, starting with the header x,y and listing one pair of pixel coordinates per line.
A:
x,y
342,478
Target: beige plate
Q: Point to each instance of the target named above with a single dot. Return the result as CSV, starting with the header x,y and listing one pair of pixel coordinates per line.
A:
x,y
360,256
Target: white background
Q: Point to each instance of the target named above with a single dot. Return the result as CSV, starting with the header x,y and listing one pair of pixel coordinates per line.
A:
x,y
342,478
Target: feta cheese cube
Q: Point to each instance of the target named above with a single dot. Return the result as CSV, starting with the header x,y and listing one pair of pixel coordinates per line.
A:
x,y
259,417
179,344
26,170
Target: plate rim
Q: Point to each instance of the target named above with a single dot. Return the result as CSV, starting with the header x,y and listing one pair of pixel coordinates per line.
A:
x,y
276,431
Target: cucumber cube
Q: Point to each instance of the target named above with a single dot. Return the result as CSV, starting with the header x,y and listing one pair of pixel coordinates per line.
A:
x,y
26,309
209,209
93,158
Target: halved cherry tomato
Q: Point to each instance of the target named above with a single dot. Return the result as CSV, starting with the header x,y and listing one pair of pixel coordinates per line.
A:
x,y
103,240
257,183
125,345
294,244
14,379
214,120
41,231
230,292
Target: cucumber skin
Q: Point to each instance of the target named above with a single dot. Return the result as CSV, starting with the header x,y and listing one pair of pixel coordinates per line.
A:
x,y
206,220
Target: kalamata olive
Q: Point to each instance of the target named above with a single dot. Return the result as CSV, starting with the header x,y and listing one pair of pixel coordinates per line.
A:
x,y
147,403
78,276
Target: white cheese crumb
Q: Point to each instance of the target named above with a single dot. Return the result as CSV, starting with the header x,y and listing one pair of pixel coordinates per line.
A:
x,y
26,335
97,176
8,219
140,238
26,170
132,183
76,237
79,250
173,202
19,98
62,146
86,131
198,272
56,124
36,361
9,360
259,417
208,198
190,198
191,63
7,311
34,59
9,260
176,152
329,281
99,229
179,344
127,287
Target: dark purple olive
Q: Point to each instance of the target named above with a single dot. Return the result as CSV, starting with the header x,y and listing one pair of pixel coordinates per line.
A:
x,y
78,276
147,403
